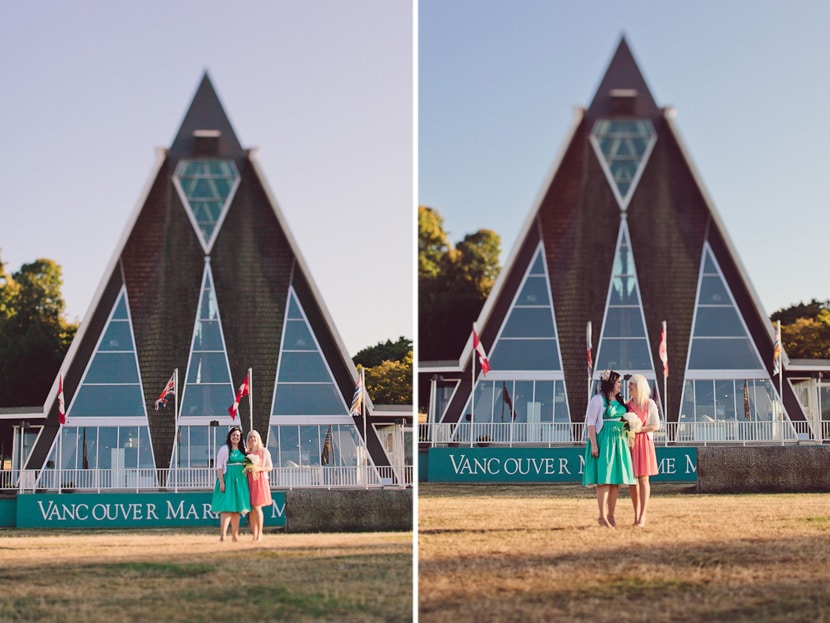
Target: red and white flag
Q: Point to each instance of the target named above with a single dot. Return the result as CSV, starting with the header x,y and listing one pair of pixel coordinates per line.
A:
x,y
482,354
168,391
243,391
61,404
664,356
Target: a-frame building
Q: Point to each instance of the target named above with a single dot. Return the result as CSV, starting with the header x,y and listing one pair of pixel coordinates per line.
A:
x,y
623,237
206,280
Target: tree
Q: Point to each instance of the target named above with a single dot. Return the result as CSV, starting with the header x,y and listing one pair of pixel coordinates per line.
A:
x,y
34,336
432,242
390,382
388,371
805,330
372,356
453,283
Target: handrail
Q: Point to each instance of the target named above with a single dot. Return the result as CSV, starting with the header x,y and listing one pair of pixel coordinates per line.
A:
x,y
199,479
550,434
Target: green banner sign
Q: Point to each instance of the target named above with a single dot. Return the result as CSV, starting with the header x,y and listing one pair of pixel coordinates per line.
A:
x,y
540,465
128,510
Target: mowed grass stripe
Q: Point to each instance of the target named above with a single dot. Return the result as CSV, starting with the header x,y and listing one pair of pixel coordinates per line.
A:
x,y
535,553
138,576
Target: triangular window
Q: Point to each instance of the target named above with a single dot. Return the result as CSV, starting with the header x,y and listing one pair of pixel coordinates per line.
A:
x,y
720,340
206,188
623,147
305,386
528,340
107,425
208,390
523,397
111,386
726,384
624,344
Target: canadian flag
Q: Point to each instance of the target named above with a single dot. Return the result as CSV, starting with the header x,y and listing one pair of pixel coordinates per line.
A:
x,y
61,404
243,391
482,354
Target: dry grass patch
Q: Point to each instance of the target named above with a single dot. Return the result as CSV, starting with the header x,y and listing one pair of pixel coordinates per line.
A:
x,y
535,553
166,575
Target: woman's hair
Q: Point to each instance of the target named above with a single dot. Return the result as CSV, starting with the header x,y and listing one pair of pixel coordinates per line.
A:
x,y
643,390
607,380
241,439
255,435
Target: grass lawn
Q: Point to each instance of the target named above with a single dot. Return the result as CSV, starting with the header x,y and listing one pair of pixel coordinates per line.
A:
x,y
188,575
536,553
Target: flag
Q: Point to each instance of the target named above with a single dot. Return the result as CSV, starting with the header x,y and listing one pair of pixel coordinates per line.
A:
x,y
664,356
168,391
61,407
482,354
746,400
505,396
85,460
325,455
243,391
357,398
588,344
776,350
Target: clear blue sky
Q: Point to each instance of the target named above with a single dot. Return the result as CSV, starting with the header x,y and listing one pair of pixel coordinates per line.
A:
x,y
499,81
324,88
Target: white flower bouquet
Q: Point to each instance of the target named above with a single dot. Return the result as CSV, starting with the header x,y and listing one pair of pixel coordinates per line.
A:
x,y
631,426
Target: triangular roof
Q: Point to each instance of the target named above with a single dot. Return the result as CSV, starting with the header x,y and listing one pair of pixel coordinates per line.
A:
x,y
577,216
160,261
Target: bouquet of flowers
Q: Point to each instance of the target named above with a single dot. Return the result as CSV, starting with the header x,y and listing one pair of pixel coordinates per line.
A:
x,y
631,426
251,462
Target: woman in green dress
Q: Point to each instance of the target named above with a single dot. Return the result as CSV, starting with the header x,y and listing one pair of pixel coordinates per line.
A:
x,y
607,456
231,497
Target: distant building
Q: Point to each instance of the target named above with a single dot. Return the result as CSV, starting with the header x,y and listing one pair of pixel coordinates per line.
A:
x,y
208,281
623,239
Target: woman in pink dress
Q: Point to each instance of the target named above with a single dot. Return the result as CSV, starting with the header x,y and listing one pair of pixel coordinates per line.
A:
x,y
258,482
643,457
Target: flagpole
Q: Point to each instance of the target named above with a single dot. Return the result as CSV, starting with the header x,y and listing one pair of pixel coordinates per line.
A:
x,y
590,360
363,415
251,397
665,373
60,457
780,371
473,387
176,428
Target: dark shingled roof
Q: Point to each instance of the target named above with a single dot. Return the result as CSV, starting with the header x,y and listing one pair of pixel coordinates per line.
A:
x,y
253,262
669,220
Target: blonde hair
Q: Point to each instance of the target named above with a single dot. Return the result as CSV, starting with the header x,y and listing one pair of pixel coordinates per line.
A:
x,y
255,435
643,390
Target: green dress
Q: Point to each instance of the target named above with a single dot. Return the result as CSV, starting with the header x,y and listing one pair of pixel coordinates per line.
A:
x,y
613,465
236,498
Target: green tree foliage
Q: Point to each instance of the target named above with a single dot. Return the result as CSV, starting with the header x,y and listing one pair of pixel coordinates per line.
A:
x,y
388,368
453,283
390,382
805,330
372,356
34,336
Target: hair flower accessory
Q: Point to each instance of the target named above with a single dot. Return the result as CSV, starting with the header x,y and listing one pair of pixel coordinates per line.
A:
x,y
605,375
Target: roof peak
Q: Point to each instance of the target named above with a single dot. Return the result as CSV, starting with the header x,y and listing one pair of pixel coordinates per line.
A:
x,y
206,113
623,91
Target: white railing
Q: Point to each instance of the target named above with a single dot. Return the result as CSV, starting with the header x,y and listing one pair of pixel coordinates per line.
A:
x,y
198,479
549,434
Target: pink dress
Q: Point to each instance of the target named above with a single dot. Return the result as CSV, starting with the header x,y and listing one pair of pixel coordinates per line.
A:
x,y
258,482
643,456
